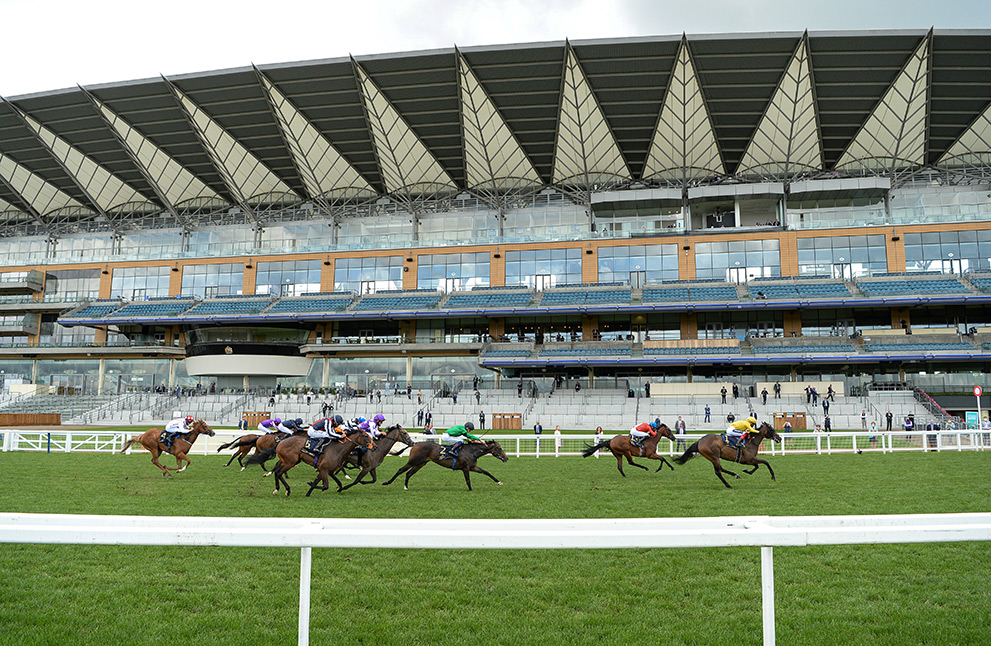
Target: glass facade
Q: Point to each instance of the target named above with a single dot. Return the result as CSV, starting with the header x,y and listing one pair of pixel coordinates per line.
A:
x,y
288,278
375,231
556,219
738,260
136,283
949,252
638,264
476,225
288,238
367,275
842,256
220,241
212,280
452,271
627,219
542,268
84,247
72,284
166,243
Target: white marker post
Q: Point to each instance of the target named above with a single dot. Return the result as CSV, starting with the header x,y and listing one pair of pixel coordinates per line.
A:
x,y
977,393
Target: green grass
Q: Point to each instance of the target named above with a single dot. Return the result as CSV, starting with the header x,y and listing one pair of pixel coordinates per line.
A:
x,y
889,594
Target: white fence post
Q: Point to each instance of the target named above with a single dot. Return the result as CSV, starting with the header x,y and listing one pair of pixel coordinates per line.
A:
x,y
767,592
305,561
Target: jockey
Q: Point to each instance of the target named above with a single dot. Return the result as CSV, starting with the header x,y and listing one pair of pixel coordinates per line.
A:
x,y
327,428
178,426
286,426
737,431
375,425
456,434
270,425
640,431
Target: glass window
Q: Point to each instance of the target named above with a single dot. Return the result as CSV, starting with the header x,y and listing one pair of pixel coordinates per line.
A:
x,y
951,252
372,274
452,271
139,282
737,260
842,256
523,267
212,280
72,284
288,278
657,262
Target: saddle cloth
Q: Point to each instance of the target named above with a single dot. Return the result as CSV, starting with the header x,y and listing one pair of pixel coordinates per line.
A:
x,y
450,451
733,443
313,447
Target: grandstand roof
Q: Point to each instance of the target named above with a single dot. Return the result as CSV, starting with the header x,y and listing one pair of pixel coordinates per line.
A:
x,y
492,121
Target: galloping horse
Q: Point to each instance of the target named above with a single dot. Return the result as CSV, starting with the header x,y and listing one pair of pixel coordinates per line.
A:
x,y
374,457
621,447
423,452
180,446
713,448
290,454
242,446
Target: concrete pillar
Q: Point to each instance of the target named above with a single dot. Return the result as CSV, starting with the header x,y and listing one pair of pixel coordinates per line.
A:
x,y
325,378
172,365
409,270
327,275
686,260
689,325
894,247
102,372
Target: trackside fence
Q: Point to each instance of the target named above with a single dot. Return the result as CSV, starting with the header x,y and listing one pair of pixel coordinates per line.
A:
x,y
766,532
569,445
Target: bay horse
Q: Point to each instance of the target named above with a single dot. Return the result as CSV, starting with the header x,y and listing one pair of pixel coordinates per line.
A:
x,y
373,458
423,452
180,446
242,446
621,447
289,452
714,448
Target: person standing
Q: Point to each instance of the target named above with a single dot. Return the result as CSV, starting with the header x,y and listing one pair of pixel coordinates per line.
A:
x,y
428,418
680,430
481,420
736,391
763,396
519,389
825,405
419,418
454,396
827,424
722,392
873,436
777,390
863,419
557,441
708,412
538,430
598,438
888,417
478,397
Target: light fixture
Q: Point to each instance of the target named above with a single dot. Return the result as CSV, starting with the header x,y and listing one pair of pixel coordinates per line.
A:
x,y
175,267
106,270
326,261
248,264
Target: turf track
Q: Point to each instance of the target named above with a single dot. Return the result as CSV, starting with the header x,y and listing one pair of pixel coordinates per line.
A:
x,y
899,594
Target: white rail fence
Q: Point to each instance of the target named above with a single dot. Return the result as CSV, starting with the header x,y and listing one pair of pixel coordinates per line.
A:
x,y
529,445
765,532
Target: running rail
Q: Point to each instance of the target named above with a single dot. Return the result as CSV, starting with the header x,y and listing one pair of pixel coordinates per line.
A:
x,y
765,532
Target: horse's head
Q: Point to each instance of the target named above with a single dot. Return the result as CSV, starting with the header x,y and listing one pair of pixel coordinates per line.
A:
x,y
203,427
496,450
359,437
400,434
666,432
767,431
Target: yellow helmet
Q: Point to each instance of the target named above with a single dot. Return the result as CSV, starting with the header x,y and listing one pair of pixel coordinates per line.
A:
x,y
752,420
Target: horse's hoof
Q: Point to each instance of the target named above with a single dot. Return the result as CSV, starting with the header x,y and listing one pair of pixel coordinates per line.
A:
x,y
499,483
243,468
275,493
737,477
405,488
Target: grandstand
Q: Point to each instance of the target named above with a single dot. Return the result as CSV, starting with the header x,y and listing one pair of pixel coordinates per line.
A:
x,y
847,240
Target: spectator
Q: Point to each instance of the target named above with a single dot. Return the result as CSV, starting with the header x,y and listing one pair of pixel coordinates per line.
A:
x,y
722,393
736,391
538,430
419,418
777,390
428,429
578,385
873,435
863,419
815,396
478,397
454,396
481,420
827,424
474,382
763,396
646,389
419,398
888,417
309,396
557,441
519,389
598,438
825,405
787,428
409,392
830,393
679,429
808,394
909,424
243,424
707,413
428,418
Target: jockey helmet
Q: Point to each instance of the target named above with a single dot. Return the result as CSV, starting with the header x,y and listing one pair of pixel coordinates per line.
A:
x,y
338,420
277,420
379,418
189,419
362,419
752,420
299,421
657,422
364,426
469,426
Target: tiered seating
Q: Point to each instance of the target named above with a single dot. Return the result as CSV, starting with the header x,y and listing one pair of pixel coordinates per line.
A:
x,y
229,308
506,353
690,293
798,290
399,302
586,297
481,299
328,303
916,347
153,308
982,283
584,351
94,311
809,348
912,287
683,350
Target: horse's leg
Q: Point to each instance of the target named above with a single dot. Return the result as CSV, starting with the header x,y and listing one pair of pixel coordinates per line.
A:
x,y
619,464
179,459
467,478
478,469
409,474
154,460
340,484
629,459
719,469
374,478
356,481
321,478
403,469
235,454
757,463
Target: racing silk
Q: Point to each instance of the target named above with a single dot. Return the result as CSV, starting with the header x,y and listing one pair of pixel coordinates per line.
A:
x,y
374,429
178,425
324,427
287,427
736,429
459,432
268,426
642,430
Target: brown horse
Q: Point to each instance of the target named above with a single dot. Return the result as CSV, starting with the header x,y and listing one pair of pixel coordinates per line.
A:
x,y
373,458
242,446
621,447
423,452
289,452
181,445
713,448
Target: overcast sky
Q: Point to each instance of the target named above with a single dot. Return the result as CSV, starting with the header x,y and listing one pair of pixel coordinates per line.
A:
x,y
52,44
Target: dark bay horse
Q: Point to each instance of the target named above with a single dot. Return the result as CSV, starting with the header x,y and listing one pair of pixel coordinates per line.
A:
x,y
289,452
423,452
242,446
373,457
621,447
714,448
150,440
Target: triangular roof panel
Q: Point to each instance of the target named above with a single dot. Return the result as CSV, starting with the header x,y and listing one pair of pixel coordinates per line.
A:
x,y
40,195
786,141
974,145
894,136
586,152
684,147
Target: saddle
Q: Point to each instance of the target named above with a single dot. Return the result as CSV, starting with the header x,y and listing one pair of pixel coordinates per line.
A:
x,y
450,451
734,443
313,447
638,442
165,439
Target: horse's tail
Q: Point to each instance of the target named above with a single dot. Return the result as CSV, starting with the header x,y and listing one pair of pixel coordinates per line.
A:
x,y
591,449
402,450
238,443
692,451
127,445
263,457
